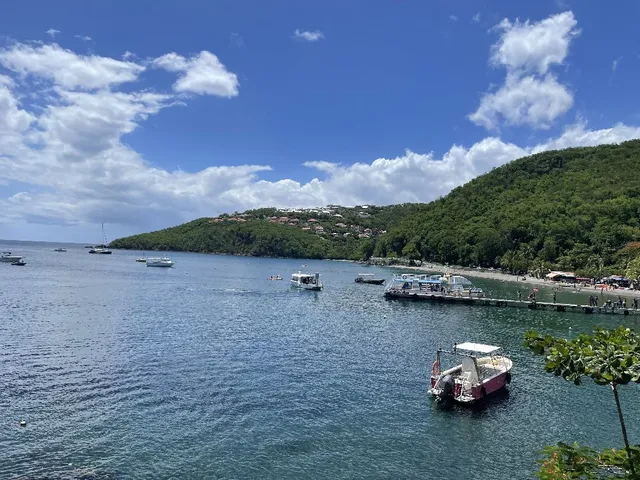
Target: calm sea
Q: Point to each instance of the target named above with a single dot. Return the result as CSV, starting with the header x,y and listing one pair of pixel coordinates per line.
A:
x,y
209,370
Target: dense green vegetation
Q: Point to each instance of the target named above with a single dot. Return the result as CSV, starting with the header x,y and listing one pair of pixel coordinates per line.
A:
x,y
572,209
252,233
610,358
575,209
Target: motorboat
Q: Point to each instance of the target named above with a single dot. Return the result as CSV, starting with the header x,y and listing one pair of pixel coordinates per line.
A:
x,y
159,262
306,281
101,249
482,371
369,278
275,277
141,260
59,249
7,257
19,263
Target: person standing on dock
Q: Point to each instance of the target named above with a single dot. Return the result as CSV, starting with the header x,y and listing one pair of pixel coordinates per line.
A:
x,y
635,303
591,300
520,296
554,297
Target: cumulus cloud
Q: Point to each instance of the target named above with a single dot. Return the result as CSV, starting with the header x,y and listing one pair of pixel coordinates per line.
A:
x,y
476,18
524,101
453,18
308,36
84,38
73,166
530,95
52,32
534,47
202,74
66,68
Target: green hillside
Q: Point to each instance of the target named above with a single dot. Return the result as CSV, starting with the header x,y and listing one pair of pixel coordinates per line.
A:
x,y
329,232
575,209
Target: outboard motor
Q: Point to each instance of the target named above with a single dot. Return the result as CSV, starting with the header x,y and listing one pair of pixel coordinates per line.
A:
x,y
447,383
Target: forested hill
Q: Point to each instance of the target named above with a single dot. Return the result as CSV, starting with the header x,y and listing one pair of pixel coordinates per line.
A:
x,y
576,209
328,232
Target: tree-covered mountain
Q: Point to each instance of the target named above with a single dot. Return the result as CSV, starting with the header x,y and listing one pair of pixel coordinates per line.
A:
x,y
576,209
329,232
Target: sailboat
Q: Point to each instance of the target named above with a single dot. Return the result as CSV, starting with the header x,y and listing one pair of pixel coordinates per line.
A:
x,y
101,249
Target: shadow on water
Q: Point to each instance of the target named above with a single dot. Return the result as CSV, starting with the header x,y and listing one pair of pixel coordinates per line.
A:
x,y
481,408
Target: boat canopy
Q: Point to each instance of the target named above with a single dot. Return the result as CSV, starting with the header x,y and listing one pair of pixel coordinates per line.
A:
x,y
366,274
476,347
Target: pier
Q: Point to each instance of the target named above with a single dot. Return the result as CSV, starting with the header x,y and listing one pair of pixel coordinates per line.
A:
x,y
502,302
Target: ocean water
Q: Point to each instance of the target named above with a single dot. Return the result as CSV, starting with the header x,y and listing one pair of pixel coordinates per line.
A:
x,y
209,370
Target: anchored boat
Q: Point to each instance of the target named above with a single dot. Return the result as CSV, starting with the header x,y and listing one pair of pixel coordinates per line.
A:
x,y
483,370
369,278
306,281
160,262
101,249
7,257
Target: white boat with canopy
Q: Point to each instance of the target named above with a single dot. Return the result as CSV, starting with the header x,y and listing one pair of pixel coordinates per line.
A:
x,y
306,281
160,262
484,369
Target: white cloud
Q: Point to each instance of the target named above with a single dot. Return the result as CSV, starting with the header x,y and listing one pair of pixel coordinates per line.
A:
x,y
52,32
534,47
236,40
453,18
524,101
74,167
84,38
578,135
14,121
530,95
308,36
202,74
67,69
20,197
476,18
614,65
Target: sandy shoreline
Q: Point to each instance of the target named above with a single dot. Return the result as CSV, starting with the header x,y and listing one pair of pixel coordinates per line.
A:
x,y
501,277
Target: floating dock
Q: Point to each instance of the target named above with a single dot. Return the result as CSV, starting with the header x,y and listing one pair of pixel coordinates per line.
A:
x,y
502,302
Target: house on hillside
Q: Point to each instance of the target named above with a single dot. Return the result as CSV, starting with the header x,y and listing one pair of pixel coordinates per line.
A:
x,y
312,220
341,225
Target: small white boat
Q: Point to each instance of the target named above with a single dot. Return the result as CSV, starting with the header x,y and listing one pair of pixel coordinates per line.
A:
x,y
141,260
484,369
8,258
306,281
159,262
59,249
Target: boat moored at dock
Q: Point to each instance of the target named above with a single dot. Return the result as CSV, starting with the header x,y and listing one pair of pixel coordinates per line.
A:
x,y
482,371
306,281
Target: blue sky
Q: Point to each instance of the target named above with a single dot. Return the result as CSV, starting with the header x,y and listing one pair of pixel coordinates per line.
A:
x,y
147,116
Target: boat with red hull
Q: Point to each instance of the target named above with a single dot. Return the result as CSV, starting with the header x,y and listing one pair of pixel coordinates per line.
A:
x,y
482,371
